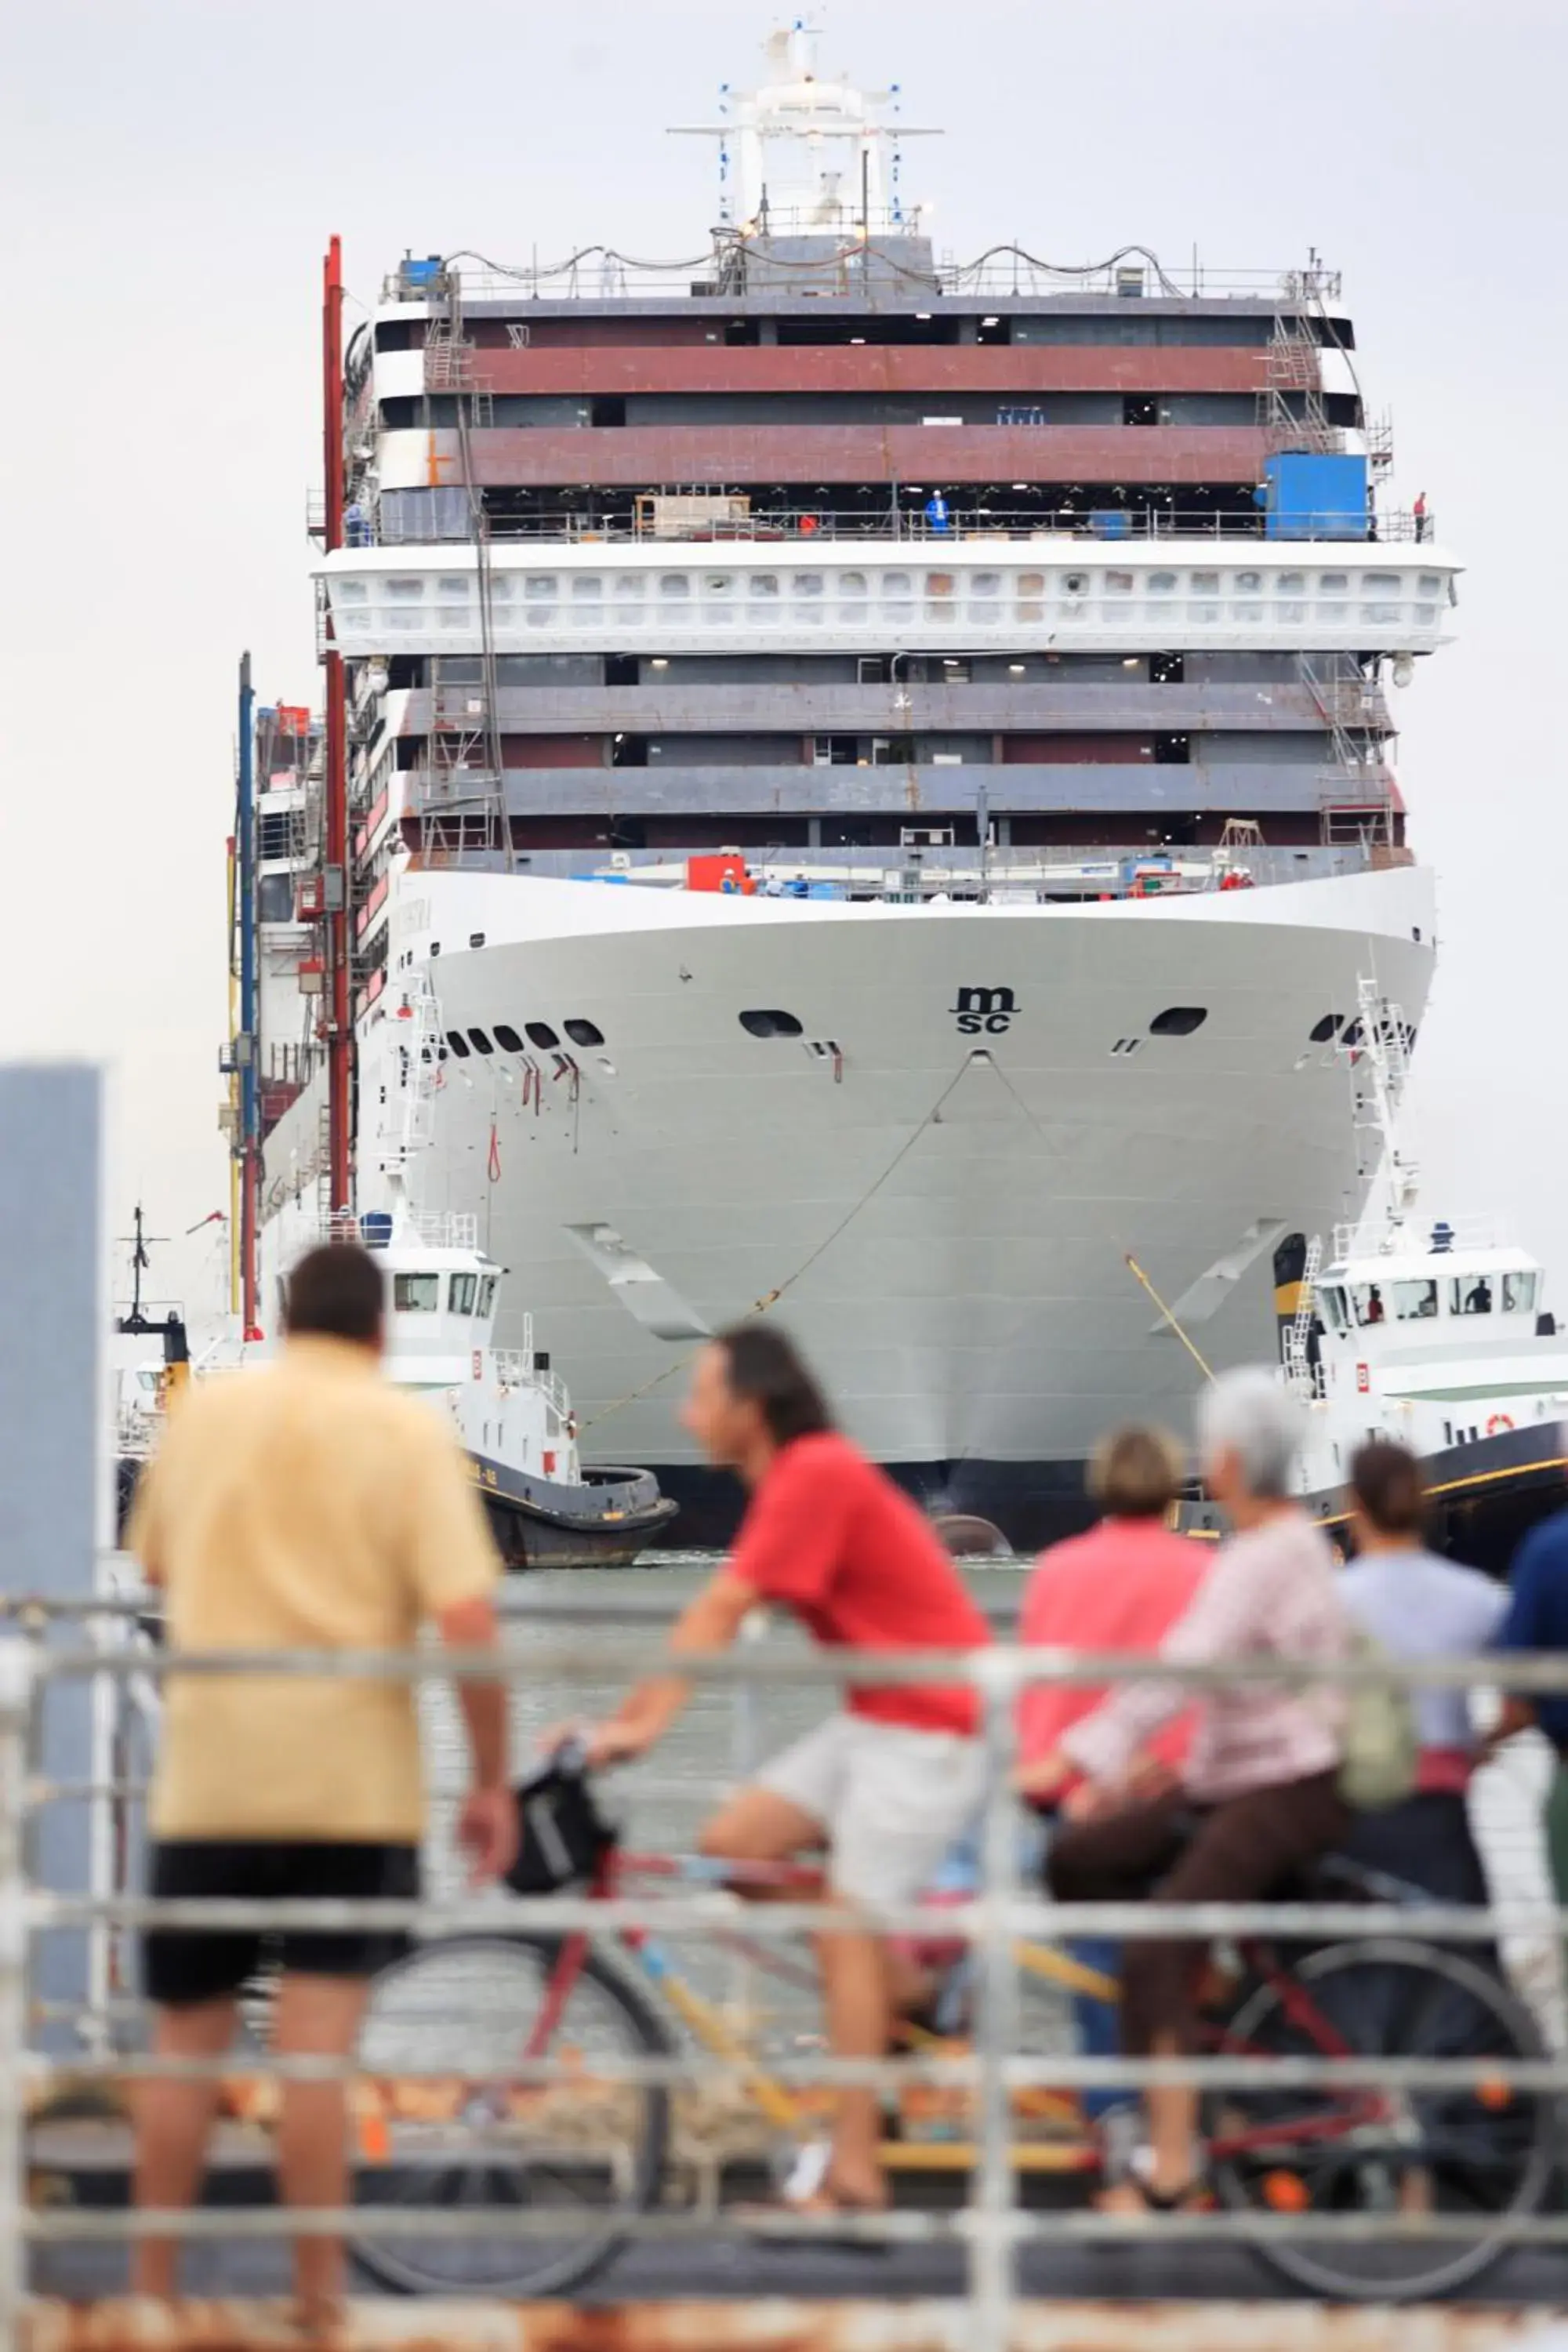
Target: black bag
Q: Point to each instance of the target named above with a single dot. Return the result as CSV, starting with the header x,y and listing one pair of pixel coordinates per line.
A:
x,y
562,1836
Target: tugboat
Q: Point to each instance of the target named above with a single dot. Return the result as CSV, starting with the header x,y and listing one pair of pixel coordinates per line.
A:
x,y
1430,1332
1439,1339
510,1410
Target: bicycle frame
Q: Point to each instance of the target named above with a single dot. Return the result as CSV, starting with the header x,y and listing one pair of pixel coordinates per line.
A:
x,y
791,2114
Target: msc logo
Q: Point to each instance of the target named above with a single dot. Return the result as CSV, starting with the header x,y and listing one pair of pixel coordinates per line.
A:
x,y
991,1009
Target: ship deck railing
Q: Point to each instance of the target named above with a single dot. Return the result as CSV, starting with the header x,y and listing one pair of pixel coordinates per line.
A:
x,y
799,526
57,2046
518,1368
932,874
599,274
1412,1238
437,1228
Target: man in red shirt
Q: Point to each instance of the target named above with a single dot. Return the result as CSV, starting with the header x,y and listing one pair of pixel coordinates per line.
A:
x,y
887,1782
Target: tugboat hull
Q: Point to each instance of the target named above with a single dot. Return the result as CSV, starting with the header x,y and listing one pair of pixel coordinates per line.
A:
x,y
607,1520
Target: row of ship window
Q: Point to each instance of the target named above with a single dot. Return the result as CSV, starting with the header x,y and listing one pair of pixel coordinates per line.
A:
x,y
773,1021
1363,1306
467,1294
1377,599
536,1033
766,587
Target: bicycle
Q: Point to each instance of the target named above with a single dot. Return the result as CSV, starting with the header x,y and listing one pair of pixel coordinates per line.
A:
x,y
601,2150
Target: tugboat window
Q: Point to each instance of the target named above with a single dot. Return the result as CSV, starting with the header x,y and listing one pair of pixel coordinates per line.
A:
x,y
585,1033
771,1024
459,1043
482,1043
487,1294
460,1296
1415,1301
1334,1299
508,1038
1518,1293
1470,1293
1178,1021
417,1293
1366,1299
541,1035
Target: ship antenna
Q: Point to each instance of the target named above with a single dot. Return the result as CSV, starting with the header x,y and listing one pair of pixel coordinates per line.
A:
x,y
137,1242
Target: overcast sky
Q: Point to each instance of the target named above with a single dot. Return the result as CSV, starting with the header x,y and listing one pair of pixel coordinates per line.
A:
x,y
176,167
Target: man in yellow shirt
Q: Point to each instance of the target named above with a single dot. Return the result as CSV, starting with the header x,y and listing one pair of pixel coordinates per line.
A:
x,y
305,1507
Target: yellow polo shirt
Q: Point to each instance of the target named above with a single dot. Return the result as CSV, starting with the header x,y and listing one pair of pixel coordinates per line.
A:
x,y
308,1505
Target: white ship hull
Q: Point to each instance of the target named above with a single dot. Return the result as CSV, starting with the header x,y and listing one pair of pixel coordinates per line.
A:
x,y
948,1208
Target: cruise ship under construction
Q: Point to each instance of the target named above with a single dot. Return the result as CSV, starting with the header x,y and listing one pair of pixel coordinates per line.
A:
x,y
853,786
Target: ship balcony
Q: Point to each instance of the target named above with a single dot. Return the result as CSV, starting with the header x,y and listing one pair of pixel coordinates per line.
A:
x,y
1049,591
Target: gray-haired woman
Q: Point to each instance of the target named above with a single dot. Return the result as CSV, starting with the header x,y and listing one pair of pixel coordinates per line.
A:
x,y
1257,1796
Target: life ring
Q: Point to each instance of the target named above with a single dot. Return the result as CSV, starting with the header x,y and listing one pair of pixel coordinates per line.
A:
x,y
1498,1423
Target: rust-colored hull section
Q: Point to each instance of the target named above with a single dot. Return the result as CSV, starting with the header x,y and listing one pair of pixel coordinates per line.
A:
x,y
716,455
1019,370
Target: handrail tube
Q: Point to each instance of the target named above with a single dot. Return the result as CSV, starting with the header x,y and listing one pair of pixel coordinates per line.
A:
x,y
703,1915
1007,1671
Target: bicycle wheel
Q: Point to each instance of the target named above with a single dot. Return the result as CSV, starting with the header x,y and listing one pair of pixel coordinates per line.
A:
x,y
1482,2152
581,2154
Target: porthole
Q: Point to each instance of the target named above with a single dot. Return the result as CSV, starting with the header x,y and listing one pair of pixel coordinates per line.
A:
x,y
1075,583
541,1035
459,1043
771,1024
1178,1021
479,1042
585,1033
1329,1026
508,1038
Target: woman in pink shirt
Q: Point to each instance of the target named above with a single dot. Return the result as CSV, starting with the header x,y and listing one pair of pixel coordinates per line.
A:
x,y
1257,1796
1122,1586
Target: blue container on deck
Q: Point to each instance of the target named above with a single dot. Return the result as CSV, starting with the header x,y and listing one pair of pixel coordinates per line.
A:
x,y
420,273
1111,523
375,1229
1315,497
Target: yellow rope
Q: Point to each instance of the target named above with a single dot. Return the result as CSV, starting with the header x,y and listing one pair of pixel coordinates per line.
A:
x,y
1170,1318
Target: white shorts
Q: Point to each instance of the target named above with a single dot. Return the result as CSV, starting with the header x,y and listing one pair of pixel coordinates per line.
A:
x,y
890,1801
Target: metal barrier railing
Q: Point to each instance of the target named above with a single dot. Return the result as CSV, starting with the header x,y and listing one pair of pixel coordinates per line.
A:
x,y
992,2229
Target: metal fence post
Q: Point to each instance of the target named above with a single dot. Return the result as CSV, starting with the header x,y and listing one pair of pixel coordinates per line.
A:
x,y
17,1678
992,2217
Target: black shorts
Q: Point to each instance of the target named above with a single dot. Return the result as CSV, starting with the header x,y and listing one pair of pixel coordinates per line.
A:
x,y
181,1965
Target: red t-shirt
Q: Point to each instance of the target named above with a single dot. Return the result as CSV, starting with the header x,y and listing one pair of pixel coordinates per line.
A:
x,y
832,1538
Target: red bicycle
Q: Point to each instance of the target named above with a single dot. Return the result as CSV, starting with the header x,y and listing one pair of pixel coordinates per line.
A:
x,y
576,2155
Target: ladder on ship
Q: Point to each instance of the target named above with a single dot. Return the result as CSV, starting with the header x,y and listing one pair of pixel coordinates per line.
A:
x,y
1292,411
1300,1373
420,1055
1353,799
1376,1045
461,798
